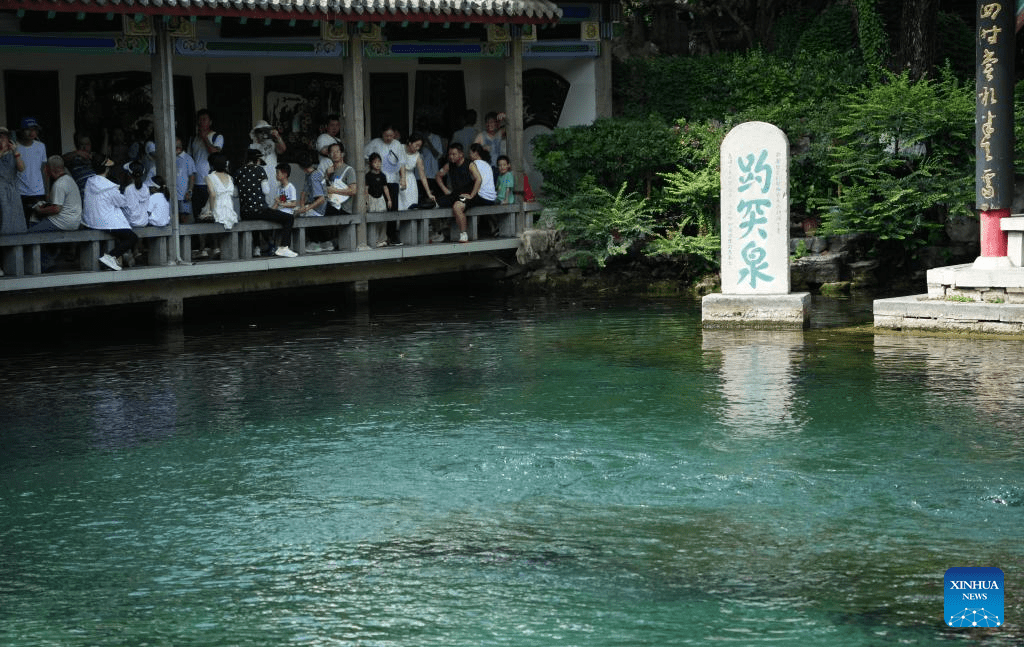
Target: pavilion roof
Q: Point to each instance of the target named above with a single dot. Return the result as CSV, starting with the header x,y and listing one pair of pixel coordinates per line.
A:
x,y
487,11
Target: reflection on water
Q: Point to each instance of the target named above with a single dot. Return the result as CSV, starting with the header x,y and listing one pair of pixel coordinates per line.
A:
x,y
504,471
758,372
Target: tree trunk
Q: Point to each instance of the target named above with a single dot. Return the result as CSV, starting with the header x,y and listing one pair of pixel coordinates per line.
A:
x,y
917,36
668,32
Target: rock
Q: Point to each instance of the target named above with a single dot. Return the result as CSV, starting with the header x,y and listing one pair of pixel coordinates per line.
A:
x,y
534,245
862,273
963,229
816,269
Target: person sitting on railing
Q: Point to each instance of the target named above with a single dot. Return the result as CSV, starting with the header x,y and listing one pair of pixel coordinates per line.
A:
x,y
252,203
340,182
159,205
479,193
313,199
104,209
455,179
64,210
79,161
12,215
136,195
506,181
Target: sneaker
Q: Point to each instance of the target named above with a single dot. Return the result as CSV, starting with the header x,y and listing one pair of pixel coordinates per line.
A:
x,y
285,252
204,253
396,243
463,237
110,262
382,243
312,248
128,260
256,251
215,253
327,247
437,238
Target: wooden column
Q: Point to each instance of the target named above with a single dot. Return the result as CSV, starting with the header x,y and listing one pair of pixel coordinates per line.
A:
x,y
355,125
514,102
994,186
163,121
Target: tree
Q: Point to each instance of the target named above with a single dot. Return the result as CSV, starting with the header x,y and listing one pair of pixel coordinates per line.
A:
x,y
918,24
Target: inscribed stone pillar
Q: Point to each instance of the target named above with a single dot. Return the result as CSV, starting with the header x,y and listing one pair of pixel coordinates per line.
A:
x,y
755,210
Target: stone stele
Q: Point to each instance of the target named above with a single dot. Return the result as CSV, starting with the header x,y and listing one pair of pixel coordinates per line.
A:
x,y
755,233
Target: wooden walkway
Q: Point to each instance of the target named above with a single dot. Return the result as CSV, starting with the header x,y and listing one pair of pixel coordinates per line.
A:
x,y
167,283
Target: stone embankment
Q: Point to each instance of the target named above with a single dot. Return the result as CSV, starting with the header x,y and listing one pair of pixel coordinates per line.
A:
x,y
829,265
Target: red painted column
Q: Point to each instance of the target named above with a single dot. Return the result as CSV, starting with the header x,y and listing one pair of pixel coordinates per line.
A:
x,y
993,239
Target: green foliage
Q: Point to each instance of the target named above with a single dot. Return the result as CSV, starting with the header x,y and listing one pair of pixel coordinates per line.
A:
x,y
599,224
874,42
1018,128
801,249
902,157
870,151
611,151
957,44
691,195
827,31
713,87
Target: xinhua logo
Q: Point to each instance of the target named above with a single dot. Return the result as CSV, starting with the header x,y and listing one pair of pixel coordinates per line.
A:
x,y
973,597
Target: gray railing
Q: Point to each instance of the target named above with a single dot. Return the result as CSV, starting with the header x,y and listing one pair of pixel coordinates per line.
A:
x,y
21,253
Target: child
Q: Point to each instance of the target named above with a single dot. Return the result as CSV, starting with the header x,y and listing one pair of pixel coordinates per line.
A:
x,y
159,206
184,182
137,195
378,198
506,181
286,198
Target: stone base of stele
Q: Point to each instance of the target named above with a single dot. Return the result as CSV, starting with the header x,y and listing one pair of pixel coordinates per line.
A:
x,y
758,311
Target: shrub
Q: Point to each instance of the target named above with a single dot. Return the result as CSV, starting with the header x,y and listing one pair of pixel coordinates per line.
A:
x,y
599,224
612,152
902,157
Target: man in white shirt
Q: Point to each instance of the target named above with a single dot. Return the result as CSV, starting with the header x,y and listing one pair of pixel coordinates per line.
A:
x,y
31,181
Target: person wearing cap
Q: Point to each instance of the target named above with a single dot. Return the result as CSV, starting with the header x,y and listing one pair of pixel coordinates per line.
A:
x,y
31,182
269,143
12,215
103,209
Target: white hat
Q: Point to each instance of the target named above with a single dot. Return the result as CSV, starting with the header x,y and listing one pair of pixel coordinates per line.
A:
x,y
260,125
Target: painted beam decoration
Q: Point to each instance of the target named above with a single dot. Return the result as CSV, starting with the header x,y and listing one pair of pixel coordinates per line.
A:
x,y
404,49
993,117
755,210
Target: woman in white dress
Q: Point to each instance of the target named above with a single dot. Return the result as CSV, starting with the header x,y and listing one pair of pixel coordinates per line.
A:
x,y
412,165
222,189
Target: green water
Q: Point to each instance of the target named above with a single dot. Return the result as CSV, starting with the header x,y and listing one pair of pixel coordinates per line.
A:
x,y
506,472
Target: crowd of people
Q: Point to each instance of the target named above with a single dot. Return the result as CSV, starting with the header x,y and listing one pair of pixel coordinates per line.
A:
x,y
83,187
